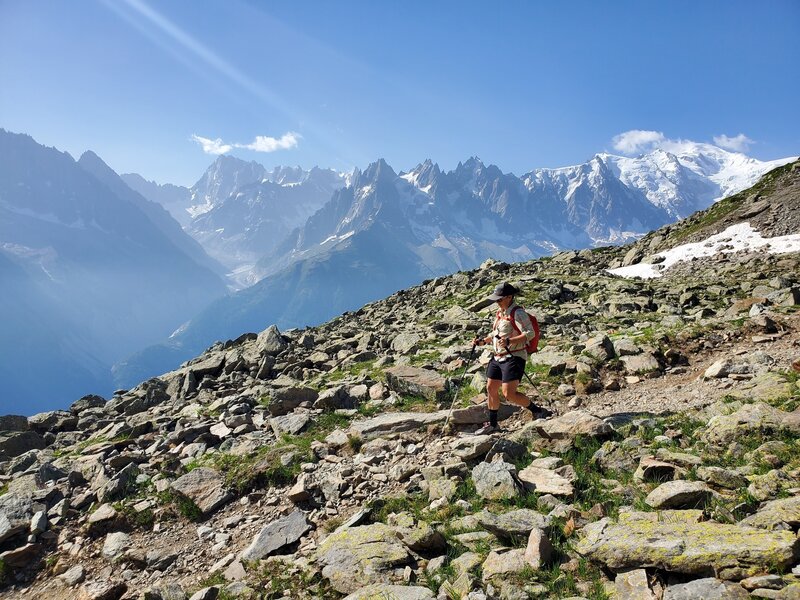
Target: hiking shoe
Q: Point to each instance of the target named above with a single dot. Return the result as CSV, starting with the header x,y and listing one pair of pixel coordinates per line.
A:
x,y
540,412
487,429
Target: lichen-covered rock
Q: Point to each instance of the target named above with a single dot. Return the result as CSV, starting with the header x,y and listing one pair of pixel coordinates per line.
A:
x,y
574,423
359,556
759,417
545,481
731,551
395,592
776,513
513,524
396,423
679,494
496,480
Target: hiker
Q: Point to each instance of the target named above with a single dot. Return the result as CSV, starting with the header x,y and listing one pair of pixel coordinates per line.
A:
x,y
511,332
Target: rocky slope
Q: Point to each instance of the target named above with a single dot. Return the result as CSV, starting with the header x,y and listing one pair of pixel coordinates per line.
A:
x,y
315,463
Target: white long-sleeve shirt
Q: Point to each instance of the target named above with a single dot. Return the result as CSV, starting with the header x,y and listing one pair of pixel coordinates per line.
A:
x,y
502,328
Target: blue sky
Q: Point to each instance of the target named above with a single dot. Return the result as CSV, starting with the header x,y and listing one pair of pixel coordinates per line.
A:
x,y
339,84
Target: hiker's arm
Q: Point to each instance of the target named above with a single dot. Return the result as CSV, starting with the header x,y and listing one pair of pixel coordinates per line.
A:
x,y
525,327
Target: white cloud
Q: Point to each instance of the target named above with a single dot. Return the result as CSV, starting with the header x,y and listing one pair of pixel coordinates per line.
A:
x,y
637,140
739,143
212,146
264,143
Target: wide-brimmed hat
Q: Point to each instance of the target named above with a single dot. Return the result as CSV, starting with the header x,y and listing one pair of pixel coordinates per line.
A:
x,y
503,289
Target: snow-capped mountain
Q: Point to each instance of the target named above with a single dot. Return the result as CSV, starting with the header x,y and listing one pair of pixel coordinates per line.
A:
x,y
246,211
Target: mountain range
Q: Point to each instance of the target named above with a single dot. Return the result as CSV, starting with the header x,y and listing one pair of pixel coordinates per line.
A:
x,y
97,267
385,231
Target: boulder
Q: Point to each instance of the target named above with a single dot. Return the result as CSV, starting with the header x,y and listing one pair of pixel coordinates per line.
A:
x,y
278,535
405,343
87,402
513,524
115,544
724,478
356,557
573,424
203,486
708,588
395,592
600,348
776,514
496,480
500,564
405,379
16,511
270,341
14,443
285,400
396,423
291,424
539,550
640,364
679,494
733,552
102,590
545,481
13,423
633,584
471,447
759,417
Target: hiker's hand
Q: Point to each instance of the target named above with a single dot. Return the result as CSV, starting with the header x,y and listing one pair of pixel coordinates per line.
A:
x,y
479,341
504,343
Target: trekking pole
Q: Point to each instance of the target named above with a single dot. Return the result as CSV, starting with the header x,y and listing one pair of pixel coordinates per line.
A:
x,y
460,382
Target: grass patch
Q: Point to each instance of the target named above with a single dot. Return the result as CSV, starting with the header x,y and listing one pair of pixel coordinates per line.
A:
x,y
182,504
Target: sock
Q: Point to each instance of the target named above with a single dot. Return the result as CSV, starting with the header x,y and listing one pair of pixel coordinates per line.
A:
x,y
532,407
493,418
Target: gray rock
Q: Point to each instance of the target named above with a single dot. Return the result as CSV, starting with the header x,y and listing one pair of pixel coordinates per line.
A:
x,y
203,486
573,424
472,446
277,535
14,443
708,588
600,348
355,557
103,590
335,398
86,403
539,550
496,480
270,341
679,494
672,544
396,423
395,592
633,584
208,593
758,417
545,481
16,511
285,400
641,364
405,379
13,423
721,368
405,343
474,415
776,513
292,423
724,478
115,544
160,559
513,524
73,575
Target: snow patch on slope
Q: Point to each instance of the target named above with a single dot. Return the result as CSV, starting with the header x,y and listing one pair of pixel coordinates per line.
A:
x,y
736,238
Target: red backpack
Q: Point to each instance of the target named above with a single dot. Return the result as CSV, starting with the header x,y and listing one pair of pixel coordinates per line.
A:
x,y
533,345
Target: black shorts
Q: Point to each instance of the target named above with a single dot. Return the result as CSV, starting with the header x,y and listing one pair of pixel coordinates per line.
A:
x,y
507,370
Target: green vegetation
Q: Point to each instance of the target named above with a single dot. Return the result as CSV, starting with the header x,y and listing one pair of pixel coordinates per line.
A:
x,y
182,504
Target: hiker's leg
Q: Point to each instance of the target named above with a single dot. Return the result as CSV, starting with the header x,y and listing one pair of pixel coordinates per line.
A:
x,y
512,395
492,393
